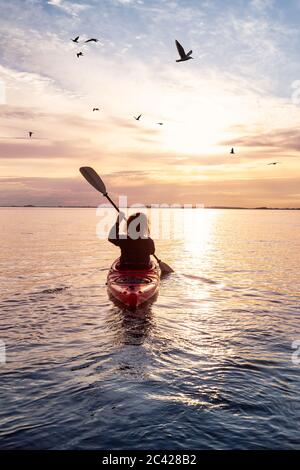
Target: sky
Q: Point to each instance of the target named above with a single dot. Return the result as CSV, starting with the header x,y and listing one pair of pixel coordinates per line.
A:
x,y
242,90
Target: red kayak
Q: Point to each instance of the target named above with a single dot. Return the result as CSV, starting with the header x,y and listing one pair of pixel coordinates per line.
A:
x,y
133,287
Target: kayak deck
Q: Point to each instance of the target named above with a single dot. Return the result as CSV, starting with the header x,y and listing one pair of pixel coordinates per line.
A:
x,y
133,287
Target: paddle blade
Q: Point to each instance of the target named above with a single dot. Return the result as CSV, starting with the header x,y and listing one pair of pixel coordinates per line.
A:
x,y
93,178
165,268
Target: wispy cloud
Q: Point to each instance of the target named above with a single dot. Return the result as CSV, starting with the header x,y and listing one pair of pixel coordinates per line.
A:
x,y
128,2
282,192
262,5
281,140
69,7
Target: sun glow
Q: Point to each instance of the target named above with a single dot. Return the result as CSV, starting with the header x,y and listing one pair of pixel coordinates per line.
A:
x,y
207,120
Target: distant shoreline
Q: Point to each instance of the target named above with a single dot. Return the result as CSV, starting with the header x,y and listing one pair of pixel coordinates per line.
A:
x,y
29,206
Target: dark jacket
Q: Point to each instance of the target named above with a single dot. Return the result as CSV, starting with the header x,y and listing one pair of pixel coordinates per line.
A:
x,y
135,254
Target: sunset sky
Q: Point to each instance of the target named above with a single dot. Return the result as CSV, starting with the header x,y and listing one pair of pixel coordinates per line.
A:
x,y
240,91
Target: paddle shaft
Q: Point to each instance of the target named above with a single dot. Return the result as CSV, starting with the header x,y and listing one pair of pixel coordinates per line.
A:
x,y
112,202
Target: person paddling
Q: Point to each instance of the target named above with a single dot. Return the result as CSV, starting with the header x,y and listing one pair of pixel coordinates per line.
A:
x,y
94,179
136,245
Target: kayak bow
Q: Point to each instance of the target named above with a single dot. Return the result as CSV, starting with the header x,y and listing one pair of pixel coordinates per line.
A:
x,y
133,287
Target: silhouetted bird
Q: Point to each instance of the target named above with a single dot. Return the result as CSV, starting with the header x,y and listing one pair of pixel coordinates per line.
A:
x,y
30,134
79,54
75,40
160,123
232,151
92,40
274,163
96,109
137,118
182,53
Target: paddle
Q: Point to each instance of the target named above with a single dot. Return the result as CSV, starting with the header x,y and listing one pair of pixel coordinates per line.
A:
x,y
94,179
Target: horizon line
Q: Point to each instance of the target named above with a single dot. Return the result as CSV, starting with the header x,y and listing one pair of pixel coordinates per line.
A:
x,y
147,206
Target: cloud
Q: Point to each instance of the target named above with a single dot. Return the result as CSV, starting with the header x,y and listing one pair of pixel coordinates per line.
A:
x,y
283,192
280,140
127,2
261,5
42,149
7,112
69,7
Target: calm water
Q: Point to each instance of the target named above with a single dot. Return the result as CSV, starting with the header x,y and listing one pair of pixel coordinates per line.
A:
x,y
208,365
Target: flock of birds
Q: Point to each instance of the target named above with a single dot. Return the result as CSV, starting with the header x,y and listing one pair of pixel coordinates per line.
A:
x,y
183,58
76,41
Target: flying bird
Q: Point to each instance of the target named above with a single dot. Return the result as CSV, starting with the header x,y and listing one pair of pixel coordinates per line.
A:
x,y
96,109
92,40
274,163
30,134
75,40
160,123
232,151
79,54
182,53
137,118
